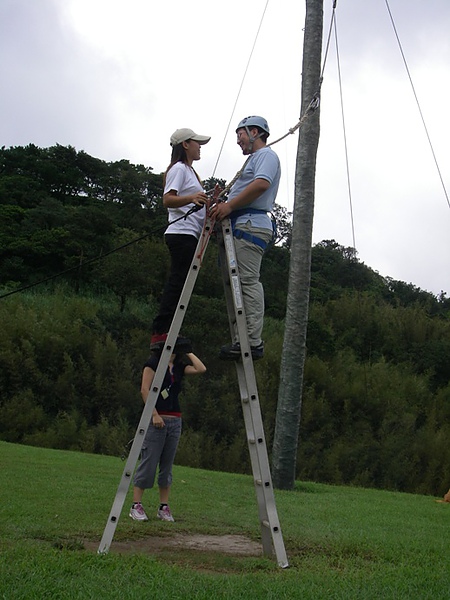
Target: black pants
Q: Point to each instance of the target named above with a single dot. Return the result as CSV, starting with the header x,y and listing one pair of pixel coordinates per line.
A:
x,y
182,249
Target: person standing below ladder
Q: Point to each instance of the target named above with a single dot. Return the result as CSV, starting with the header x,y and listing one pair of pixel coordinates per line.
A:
x,y
163,434
250,200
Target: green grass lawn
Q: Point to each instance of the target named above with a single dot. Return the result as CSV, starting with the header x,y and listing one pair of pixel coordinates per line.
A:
x,y
341,542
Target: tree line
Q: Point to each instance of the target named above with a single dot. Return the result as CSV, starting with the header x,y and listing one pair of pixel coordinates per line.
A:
x,y
376,407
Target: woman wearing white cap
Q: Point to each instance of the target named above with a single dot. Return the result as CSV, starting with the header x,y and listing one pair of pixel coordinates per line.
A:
x,y
182,190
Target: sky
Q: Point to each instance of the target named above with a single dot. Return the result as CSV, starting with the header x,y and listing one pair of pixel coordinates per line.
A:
x,y
116,78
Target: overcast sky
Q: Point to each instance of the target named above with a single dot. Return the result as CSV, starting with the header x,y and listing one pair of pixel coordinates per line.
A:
x,y
116,78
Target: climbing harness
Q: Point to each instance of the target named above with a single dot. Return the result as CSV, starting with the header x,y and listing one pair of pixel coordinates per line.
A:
x,y
239,234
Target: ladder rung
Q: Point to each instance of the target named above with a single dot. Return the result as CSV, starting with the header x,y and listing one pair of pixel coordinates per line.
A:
x,y
259,482
275,528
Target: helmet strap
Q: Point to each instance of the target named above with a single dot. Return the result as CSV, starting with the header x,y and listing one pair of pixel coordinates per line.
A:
x,y
251,138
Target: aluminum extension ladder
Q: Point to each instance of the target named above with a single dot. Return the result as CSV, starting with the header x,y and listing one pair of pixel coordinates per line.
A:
x,y
272,539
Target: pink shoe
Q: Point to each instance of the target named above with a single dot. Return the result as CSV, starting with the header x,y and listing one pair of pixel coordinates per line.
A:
x,y
137,512
164,514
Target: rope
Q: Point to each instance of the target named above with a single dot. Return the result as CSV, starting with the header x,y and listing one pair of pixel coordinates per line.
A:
x,y
344,133
418,104
315,102
240,89
101,256
310,109
312,106
344,129
333,18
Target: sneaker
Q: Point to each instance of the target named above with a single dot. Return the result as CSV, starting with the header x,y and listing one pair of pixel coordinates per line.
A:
x,y
137,512
233,351
230,352
164,514
257,351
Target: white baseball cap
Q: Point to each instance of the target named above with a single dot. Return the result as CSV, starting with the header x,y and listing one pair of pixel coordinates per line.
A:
x,y
183,135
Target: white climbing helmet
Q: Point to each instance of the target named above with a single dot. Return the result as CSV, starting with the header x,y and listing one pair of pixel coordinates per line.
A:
x,y
254,121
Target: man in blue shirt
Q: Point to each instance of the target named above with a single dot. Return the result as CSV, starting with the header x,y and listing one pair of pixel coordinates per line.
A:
x,y
250,200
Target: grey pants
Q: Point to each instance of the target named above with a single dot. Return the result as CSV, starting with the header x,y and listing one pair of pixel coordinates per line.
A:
x,y
249,256
159,448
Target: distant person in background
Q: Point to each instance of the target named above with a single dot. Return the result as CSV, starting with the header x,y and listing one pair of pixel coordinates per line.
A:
x,y
163,434
446,497
183,190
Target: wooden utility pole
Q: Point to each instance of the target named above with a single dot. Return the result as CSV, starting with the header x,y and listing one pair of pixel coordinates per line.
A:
x,y
284,456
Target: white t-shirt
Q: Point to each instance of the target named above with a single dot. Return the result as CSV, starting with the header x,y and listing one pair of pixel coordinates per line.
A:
x,y
183,180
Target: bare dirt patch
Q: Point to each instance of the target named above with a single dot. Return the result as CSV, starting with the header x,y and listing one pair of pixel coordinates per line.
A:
x,y
237,545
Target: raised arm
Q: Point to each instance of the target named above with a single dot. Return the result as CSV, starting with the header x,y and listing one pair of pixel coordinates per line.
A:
x,y
197,367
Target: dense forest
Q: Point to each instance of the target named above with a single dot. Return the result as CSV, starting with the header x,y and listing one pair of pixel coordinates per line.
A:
x,y
83,263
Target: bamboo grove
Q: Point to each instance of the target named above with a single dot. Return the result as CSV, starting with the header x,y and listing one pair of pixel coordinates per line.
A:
x,y
376,402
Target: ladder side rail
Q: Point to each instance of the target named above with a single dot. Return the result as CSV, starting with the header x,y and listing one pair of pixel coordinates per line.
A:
x,y
252,440
264,483
231,274
133,456
250,401
246,371
251,389
248,421
152,397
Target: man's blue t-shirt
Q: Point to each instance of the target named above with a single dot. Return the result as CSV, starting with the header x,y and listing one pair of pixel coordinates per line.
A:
x,y
263,164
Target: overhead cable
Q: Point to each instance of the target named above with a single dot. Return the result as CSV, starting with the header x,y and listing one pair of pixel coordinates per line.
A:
x,y
418,103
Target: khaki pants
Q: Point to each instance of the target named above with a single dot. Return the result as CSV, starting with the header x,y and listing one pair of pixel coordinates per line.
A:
x,y
249,256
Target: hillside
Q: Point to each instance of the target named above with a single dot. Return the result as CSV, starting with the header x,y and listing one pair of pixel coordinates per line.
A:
x,y
76,317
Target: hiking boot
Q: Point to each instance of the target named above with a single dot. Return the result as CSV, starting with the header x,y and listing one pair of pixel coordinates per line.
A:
x,y
137,512
230,351
164,514
257,351
233,351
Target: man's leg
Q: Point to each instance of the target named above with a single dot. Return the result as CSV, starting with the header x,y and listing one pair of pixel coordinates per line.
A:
x,y
249,257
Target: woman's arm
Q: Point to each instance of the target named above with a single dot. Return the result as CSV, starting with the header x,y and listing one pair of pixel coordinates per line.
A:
x,y
147,378
172,200
197,367
146,382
